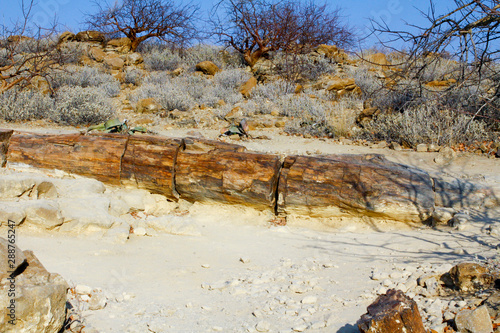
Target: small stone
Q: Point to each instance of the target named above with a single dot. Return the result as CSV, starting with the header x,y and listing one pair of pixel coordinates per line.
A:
x,y
245,260
442,215
140,231
217,329
395,146
263,326
205,265
477,321
83,290
309,300
459,219
422,147
300,328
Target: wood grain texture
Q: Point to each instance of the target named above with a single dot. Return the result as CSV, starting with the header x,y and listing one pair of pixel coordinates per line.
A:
x,y
148,163
346,185
227,176
95,156
4,145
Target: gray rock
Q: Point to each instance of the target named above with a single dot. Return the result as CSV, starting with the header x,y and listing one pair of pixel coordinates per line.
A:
x,y
15,185
40,300
474,321
422,147
442,215
459,219
86,214
176,225
12,211
43,214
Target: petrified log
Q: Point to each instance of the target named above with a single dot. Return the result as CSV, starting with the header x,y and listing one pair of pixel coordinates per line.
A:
x,y
148,163
211,171
95,156
392,312
343,185
4,145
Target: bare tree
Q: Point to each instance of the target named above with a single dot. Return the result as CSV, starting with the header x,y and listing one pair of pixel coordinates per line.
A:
x,y
140,20
468,35
26,51
255,27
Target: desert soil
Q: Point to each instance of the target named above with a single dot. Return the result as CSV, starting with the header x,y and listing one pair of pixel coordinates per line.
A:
x,y
234,271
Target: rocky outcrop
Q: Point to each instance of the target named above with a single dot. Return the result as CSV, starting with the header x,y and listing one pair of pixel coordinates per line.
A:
x,y
392,312
90,36
148,105
207,68
247,87
38,303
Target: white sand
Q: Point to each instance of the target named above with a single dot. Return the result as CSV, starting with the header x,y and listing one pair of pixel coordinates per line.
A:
x,y
299,276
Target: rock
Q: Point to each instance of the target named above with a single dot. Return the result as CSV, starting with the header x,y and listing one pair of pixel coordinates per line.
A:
x,y
176,225
148,105
40,300
90,36
14,186
470,277
446,155
459,219
442,215
422,147
247,87
66,36
11,258
493,304
377,59
14,212
116,63
86,214
331,52
392,312
122,45
474,321
309,300
263,326
433,147
97,54
207,67
134,58
46,190
43,214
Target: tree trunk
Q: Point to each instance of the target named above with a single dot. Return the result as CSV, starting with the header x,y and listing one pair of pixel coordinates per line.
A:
x,y
4,145
96,156
227,174
148,163
350,185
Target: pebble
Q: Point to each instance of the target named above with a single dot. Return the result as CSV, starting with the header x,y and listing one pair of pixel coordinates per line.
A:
x,y
300,328
245,260
309,300
205,265
140,231
263,326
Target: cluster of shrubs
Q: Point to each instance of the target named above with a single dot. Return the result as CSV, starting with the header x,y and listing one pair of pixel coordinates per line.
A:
x,y
411,114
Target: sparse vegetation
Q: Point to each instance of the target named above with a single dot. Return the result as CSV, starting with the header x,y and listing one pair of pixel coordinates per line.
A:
x,y
416,96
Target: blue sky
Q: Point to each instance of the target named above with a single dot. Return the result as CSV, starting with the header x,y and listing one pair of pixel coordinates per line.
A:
x,y
70,13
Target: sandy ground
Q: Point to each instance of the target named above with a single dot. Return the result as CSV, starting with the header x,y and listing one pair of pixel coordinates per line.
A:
x,y
240,273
